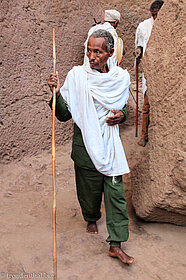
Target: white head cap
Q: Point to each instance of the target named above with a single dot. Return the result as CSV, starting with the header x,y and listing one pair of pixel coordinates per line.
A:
x,y
112,15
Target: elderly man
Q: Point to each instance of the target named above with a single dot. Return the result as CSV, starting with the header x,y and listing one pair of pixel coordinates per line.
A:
x,y
94,96
111,21
143,32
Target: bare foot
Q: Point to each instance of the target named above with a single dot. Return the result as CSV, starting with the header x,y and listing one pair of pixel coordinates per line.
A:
x,y
92,228
142,142
117,252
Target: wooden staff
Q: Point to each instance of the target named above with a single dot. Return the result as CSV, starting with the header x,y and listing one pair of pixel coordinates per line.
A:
x,y
137,63
53,165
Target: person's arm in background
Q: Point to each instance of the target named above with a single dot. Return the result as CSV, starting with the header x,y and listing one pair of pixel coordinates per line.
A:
x,y
139,42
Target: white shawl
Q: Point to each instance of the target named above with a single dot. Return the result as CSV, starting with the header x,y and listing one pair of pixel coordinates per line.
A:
x,y
90,95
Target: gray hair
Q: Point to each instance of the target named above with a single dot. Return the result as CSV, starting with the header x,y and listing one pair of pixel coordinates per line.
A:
x,y
109,40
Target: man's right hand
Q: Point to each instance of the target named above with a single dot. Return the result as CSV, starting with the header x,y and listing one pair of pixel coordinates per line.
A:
x,y
53,81
137,52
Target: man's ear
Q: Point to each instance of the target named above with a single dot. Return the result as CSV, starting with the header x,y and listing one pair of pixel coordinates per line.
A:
x,y
116,23
111,52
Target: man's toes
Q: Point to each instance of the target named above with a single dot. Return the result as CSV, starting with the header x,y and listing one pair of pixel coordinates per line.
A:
x,y
130,260
120,254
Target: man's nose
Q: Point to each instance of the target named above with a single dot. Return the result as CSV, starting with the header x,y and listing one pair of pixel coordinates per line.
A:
x,y
92,56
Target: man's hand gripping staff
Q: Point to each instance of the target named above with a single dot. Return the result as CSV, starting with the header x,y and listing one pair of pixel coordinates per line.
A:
x,y
53,81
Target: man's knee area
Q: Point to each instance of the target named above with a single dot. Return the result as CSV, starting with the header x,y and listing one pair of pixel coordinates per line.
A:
x,y
116,193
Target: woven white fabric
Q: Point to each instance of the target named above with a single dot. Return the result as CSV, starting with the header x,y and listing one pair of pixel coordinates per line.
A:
x,y
112,15
90,96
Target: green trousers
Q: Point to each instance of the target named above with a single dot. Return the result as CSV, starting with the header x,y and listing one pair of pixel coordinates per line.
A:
x,y
90,186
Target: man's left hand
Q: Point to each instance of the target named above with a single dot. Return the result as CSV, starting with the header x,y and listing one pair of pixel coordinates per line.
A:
x,y
116,118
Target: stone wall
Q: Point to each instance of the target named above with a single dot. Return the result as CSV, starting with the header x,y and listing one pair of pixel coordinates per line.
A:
x,y
158,181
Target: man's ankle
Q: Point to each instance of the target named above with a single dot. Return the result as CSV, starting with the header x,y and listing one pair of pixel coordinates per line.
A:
x,y
92,227
90,222
115,244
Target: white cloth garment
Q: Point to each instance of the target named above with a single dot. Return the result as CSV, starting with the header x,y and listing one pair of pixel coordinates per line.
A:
x,y
90,96
108,27
112,15
143,32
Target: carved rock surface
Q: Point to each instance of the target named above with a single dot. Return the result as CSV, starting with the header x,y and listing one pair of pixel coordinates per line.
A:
x,y
159,188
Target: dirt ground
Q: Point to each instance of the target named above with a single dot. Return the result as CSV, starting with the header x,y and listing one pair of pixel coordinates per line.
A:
x,y
26,226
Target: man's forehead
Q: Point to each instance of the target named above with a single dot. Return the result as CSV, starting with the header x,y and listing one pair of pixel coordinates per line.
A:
x,y
98,43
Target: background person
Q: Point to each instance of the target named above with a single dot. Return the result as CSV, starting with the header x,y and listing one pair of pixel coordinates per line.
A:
x,y
143,33
111,22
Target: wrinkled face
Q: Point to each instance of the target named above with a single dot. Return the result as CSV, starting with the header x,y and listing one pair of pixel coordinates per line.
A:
x,y
97,53
154,13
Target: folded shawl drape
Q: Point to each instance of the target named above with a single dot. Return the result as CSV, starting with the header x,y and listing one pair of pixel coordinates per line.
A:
x,y
90,96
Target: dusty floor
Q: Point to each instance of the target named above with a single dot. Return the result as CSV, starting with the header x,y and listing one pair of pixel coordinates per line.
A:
x,y
26,231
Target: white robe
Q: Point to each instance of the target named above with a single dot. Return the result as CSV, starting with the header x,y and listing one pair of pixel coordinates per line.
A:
x,y
90,96
143,33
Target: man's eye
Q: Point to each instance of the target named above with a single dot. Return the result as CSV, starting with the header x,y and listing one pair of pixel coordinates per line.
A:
x,y
97,52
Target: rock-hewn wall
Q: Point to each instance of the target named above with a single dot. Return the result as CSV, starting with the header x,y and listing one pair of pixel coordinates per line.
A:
x,y
26,64
26,60
158,182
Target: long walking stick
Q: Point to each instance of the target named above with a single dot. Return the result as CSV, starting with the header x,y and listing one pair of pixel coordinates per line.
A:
x,y
53,165
137,63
